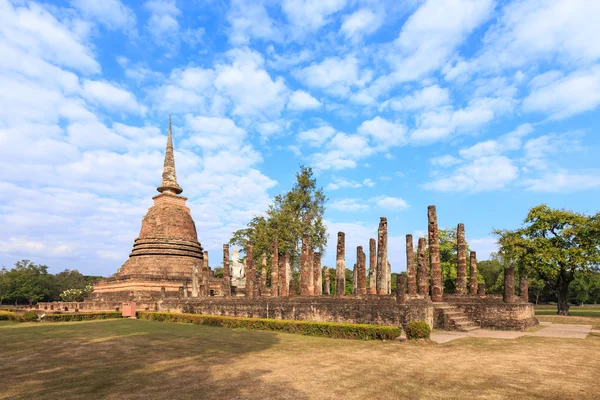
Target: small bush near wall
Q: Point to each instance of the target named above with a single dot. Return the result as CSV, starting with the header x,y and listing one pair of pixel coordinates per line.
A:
x,y
7,316
81,316
326,329
417,330
29,316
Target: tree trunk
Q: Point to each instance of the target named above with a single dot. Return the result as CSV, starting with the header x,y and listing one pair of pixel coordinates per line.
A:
x,y
563,300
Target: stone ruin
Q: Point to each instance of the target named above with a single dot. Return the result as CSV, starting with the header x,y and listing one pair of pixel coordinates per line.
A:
x,y
168,270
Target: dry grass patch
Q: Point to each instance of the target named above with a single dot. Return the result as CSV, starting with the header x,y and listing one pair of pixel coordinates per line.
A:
x,y
127,359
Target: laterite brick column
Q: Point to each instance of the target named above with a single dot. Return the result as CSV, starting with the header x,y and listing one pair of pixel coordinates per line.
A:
x,y
461,265
423,269
473,274
274,269
340,265
411,271
509,285
437,289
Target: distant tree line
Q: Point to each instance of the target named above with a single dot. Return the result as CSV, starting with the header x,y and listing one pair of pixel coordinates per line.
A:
x,y
584,289
29,283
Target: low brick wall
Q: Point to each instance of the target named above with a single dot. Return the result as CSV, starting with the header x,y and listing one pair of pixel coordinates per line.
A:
x,y
486,311
376,310
491,312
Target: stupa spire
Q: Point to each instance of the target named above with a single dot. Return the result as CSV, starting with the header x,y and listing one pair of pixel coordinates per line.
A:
x,y
169,177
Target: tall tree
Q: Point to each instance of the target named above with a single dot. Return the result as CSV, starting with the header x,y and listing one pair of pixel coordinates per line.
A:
x,y
5,286
291,215
555,244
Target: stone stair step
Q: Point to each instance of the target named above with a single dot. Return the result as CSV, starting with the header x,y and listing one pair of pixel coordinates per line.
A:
x,y
469,328
463,323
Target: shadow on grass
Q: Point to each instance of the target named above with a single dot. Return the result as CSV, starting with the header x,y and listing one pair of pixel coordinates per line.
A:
x,y
128,359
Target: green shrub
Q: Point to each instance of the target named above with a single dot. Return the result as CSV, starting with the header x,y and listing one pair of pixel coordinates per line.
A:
x,y
418,330
88,316
29,316
326,329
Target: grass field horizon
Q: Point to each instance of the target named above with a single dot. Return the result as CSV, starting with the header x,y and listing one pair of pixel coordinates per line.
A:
x,y
131,359
587,310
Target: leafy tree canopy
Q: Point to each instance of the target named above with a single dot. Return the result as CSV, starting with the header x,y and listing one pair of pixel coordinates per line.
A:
x,y
290,216
555,245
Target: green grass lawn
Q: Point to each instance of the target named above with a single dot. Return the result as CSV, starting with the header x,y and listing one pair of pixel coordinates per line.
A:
x,y
576,311
134,359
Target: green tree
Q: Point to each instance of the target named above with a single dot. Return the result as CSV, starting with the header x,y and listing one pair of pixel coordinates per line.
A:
x,y
291,215
536,288
30,282
490,271
595,288
555,245
580,288
5,285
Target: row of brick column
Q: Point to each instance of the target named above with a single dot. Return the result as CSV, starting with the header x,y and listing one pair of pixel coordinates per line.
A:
x,y
423,278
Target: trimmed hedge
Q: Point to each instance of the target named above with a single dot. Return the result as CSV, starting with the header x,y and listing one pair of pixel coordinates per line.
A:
x,y
326,329
7,316
88,316
418,330
27,316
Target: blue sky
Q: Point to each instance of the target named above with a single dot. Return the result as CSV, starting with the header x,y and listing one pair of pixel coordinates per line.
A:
x,y
482,108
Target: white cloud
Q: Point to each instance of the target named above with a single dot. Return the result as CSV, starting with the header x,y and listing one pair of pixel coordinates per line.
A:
x,y
482,174
445,161
385,134
536,31
429,37
440,123
317,136
562,181
35,248
334,75
368,182
338,183
508,142
289,59
111,97
110,13
310,15
212,133
342,151
538,149
390,203
38,33
246,83
567,96
162,24
347,205
426,98
186,90
360,23
250,20
301,100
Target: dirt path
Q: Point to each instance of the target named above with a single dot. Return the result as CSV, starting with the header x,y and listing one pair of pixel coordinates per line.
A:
x,y
566,331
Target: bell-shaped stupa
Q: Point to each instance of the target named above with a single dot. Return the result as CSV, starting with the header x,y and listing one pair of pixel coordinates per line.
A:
x,y
166,250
